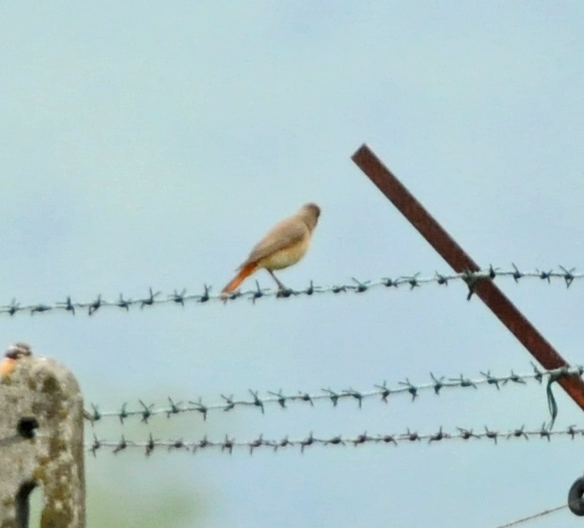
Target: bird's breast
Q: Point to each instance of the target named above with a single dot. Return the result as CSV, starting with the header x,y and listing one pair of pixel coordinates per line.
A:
x,y
286,256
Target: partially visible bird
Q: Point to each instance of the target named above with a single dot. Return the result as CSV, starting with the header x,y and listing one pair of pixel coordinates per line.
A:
x,y
13,354
284,245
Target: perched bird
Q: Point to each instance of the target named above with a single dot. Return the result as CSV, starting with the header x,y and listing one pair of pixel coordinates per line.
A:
x,y
13,354
284,245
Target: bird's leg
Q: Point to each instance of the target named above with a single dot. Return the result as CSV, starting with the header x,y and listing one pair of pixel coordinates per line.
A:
x,y
278,281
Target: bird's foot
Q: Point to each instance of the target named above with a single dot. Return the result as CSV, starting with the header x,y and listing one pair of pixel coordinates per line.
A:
x,y
284,292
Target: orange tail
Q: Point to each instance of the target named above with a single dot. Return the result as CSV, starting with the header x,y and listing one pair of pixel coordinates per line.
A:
x,y
245,272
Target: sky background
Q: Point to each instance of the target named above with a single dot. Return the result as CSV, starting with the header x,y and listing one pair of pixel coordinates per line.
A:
x,y
149,145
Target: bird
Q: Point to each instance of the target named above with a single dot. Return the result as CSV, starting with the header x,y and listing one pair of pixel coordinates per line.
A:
x,y
13,354
284,245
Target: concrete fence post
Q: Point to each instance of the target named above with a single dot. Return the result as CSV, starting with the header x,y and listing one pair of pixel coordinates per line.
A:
x,y
41,441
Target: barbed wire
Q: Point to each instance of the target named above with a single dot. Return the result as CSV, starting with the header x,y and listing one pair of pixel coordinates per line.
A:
x,y
181,297
229,444
380,391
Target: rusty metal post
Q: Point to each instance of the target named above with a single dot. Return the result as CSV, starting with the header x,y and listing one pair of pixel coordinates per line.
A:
x,y
41,443
452,253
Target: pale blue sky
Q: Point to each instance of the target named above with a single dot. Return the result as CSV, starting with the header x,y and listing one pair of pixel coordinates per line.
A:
x,y
145,145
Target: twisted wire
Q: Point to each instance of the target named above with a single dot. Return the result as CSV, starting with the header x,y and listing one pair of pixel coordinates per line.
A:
x,y
229,444
531,517
380,391
154,298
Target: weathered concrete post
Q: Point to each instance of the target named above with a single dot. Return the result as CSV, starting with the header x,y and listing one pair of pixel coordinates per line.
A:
x,y
41,441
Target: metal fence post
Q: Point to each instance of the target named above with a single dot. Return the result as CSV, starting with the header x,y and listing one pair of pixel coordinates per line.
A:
x,y
41,442
461,262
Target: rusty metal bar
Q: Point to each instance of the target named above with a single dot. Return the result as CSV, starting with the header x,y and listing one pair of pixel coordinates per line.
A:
x,y
450,251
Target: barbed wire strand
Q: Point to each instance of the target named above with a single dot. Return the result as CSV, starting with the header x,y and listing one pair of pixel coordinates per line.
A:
x,y
380,391
180,297
531,517
230,443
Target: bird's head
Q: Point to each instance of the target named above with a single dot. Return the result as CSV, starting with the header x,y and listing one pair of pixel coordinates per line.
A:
x,y
310,212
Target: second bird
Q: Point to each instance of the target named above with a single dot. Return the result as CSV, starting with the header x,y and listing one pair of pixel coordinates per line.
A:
x,y
284,245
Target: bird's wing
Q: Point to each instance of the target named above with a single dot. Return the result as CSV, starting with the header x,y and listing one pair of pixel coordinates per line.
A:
x,y
283,234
